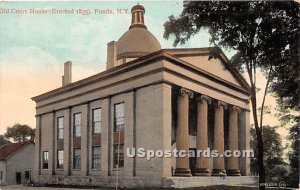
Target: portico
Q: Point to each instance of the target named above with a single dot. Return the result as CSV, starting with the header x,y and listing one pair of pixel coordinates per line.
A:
x,y
221,166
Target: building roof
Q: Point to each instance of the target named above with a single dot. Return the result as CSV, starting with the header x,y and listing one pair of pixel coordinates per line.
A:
x,y
167,54
10,149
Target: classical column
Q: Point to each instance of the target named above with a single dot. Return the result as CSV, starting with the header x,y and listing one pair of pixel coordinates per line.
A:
x,y
182,132
233,162
244,140
202,135
219,163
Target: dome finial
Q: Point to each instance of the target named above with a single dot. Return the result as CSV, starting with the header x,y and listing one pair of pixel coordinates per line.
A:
x,y
137,20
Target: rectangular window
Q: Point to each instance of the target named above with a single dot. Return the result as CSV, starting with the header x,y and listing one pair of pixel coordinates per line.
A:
x,y
45,160
96,121
60,128
26,174
96,151
118,156
1,175
119,117
60,159
76,158
77,125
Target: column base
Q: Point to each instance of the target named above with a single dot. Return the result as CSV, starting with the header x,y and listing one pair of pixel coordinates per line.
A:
x,y
202,172
218,172
183,172
233,172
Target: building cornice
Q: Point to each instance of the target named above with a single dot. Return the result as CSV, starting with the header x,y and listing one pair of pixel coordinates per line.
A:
x,y
164,54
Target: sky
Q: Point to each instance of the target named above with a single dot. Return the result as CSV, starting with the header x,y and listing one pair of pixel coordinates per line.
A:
x,y
33,48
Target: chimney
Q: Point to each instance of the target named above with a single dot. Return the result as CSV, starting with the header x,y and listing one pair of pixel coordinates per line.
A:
x,y
111,54
67,77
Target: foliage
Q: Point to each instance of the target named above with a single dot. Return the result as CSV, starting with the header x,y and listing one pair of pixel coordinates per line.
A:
x,y
272,155
293,179
287,118
3,140
19,133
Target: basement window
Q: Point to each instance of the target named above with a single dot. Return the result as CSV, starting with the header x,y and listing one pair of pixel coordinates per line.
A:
x,y
45,160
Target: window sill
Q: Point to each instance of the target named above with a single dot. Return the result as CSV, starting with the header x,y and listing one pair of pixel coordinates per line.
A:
x,y
118,169
96,134
95,169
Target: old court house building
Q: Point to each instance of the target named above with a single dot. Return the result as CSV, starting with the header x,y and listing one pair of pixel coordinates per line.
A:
x,y
151,98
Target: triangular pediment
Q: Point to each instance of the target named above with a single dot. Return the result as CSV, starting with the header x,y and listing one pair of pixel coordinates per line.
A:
x,y
213,66
216,65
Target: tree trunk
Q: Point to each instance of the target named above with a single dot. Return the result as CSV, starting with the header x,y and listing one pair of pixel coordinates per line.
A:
x,y
260,158
260,143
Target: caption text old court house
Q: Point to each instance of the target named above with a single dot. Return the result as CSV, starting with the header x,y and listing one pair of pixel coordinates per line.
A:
x,y
152,98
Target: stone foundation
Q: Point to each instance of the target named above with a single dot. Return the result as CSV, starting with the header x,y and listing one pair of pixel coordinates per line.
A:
x,y
139,182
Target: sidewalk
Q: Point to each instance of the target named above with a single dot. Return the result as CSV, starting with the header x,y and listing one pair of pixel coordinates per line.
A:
x,y
21,187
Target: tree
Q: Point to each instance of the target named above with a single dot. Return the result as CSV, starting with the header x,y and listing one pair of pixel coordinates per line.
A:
x,y
293,179
19,133
288,117
264,34
286,86
272,155
3,140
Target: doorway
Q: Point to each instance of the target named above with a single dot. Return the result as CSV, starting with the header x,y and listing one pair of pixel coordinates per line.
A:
x,y
18,178
192,160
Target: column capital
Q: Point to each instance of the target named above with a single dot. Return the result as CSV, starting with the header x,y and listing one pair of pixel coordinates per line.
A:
x,y
235,108
203,98
220,103
184,91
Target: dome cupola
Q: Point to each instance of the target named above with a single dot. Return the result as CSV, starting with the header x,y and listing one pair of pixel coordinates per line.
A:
x,y
137,41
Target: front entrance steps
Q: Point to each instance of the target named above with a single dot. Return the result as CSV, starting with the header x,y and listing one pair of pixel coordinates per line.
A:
x,y
187,182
